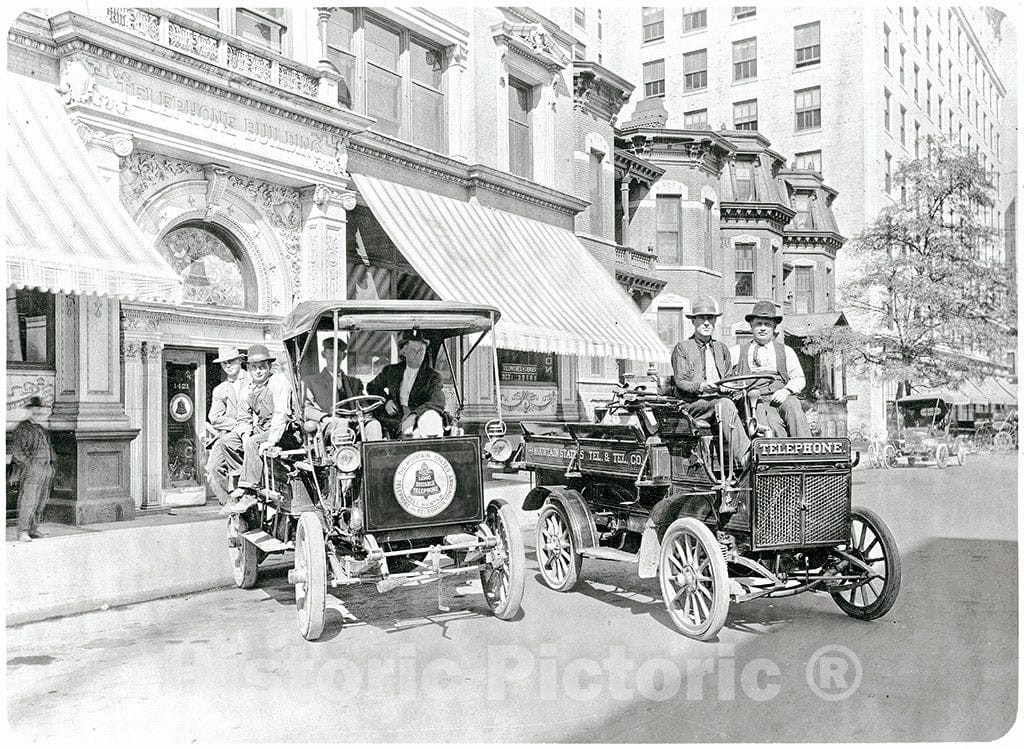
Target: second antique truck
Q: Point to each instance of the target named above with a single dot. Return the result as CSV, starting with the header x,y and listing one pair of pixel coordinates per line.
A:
x,y
653,491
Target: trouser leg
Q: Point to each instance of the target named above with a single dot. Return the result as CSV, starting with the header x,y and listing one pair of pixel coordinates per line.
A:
x,y
252,461
736,440
225,456
769,416
796,420
32,495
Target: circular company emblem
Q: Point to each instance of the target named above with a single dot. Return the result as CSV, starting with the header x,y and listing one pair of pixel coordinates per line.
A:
x,y
181,407
424,483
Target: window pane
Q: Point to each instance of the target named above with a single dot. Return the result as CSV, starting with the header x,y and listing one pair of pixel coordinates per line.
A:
x,y
339,29
425,64
346,65
30,319
520,154
427,118
670,325
809,160
258,30
697,19
744,115
807,44
653,23
744,58
696,120
744,11
384,100
654,78
695,71
667,212
382,46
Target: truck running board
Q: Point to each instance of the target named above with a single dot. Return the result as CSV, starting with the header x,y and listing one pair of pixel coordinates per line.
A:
x,y
611,555
265,542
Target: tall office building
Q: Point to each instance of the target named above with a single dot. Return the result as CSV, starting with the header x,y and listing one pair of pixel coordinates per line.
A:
x,y
849,93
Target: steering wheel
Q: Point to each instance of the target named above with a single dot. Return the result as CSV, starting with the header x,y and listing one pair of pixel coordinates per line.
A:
x,y
743,383
358,405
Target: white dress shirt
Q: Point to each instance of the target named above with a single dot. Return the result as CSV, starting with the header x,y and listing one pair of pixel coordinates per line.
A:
x,y
408,378
767,364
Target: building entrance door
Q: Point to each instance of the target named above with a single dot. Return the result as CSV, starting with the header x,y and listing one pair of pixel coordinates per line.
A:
x,y
187,387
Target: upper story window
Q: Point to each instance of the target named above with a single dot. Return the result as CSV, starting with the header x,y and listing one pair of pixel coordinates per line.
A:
x,y
654,24
654,79
903,64
809,160
927,44
743,11
30,328
807,44
579,17
888,172
695,18
887,110
802,205
807,103
668,211
262,26
695,70
744,115
391,75
696,119
597,191
803,287
743,174
744,59
744,274
520,140
885,46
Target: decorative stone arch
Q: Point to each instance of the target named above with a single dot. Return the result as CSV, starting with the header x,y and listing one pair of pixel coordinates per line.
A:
x,y
595,142
667,300
671,187
232,212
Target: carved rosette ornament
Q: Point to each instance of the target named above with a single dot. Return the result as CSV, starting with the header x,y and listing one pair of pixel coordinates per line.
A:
x,y
282,207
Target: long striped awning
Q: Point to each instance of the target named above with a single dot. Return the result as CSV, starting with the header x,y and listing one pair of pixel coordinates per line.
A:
x,y
64,231
552,294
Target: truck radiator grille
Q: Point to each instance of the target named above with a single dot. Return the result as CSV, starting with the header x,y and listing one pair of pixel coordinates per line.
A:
x,y
800,509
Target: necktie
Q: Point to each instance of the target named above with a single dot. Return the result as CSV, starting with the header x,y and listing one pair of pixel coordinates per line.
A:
x,y
757,355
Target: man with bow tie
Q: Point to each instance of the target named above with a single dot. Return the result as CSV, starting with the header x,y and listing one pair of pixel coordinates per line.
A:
x,y
779,408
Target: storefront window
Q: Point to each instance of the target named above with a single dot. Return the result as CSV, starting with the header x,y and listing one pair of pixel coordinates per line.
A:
x,y
527,366
30,331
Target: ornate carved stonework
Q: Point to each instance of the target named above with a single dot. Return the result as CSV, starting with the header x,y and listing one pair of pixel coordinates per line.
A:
x,y
77,84
207,266
191,41
139,21
141,171
131,350
283,208
23,385
248,63
457,55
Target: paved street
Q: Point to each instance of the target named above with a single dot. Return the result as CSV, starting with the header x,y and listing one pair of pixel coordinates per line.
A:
x,y
600,664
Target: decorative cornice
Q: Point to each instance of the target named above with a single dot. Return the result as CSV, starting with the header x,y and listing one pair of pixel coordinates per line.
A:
x,y
634,282
828,240
632,167
599,91
532,42
776,214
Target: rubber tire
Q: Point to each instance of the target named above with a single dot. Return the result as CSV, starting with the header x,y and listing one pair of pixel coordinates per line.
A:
x,y
894,570
1002,442
554,512
245,558
961,454
719,577
941,456
503,523
889,456
311,553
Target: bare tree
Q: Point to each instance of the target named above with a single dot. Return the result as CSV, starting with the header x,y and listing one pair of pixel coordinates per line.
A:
x,y
931,295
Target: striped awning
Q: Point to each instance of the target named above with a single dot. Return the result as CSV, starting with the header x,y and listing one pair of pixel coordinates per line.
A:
x,y
552,294
64,230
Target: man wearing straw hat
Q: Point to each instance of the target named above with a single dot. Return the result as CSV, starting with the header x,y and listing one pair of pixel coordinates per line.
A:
x,y
227,419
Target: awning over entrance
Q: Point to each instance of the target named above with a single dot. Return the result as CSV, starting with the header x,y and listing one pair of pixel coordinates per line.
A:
x,y
62,233
553,295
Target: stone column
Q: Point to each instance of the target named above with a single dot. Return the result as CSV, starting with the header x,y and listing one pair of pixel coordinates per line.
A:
x,y
458,104
151,440
134,408
324,242
106,149
91,430
624,196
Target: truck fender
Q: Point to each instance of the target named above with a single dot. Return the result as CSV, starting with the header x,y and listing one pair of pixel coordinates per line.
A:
x,y
581,522
663,514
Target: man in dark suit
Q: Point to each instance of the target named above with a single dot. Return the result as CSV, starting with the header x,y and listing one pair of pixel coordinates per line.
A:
x,y
415,397
320,386
32,453
697,363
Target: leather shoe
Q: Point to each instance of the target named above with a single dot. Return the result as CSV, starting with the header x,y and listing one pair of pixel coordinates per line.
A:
x,y
36,534
23,536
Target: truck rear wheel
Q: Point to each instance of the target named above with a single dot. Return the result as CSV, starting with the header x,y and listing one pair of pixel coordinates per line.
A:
x,y
244,556
694,579
557,557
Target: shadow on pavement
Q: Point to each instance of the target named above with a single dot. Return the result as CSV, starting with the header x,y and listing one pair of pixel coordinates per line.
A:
x,y
940,666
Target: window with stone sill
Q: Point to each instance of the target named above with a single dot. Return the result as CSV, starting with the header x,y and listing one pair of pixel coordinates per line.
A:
x,y
807,44
653,24
695,70
30,328
744,274
807,103
744,59
695,19
670,325
696,119
654,79
668,217
744,115
389,74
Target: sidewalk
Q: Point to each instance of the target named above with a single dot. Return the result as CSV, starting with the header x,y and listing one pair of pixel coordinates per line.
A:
x,y
76,569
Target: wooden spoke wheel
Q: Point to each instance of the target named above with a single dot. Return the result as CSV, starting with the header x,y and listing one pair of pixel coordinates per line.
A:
x,y
503,583
694,579
310,576
889,456
244,556
557,557
871,542
961,454
941,456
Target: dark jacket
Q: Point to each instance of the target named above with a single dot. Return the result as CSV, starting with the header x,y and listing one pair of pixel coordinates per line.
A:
x,y
688,365
426,393
321,383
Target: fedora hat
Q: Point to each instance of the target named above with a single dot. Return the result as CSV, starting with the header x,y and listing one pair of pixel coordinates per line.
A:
x,y
334,342
412,335
764,308
259,353
227,353
704,305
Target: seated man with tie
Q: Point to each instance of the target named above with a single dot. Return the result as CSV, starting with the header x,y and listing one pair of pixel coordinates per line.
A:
x,y
781,411
699,362
414,392
322,385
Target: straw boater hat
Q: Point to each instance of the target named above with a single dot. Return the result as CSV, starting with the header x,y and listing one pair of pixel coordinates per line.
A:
x,y
764,308
259,353
35,402
227,353
704,305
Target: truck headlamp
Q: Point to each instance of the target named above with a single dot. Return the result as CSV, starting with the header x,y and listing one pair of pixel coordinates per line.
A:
x,y
500,449
347,459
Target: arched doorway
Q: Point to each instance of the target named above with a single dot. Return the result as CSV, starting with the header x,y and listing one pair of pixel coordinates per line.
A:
x,y
212,268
